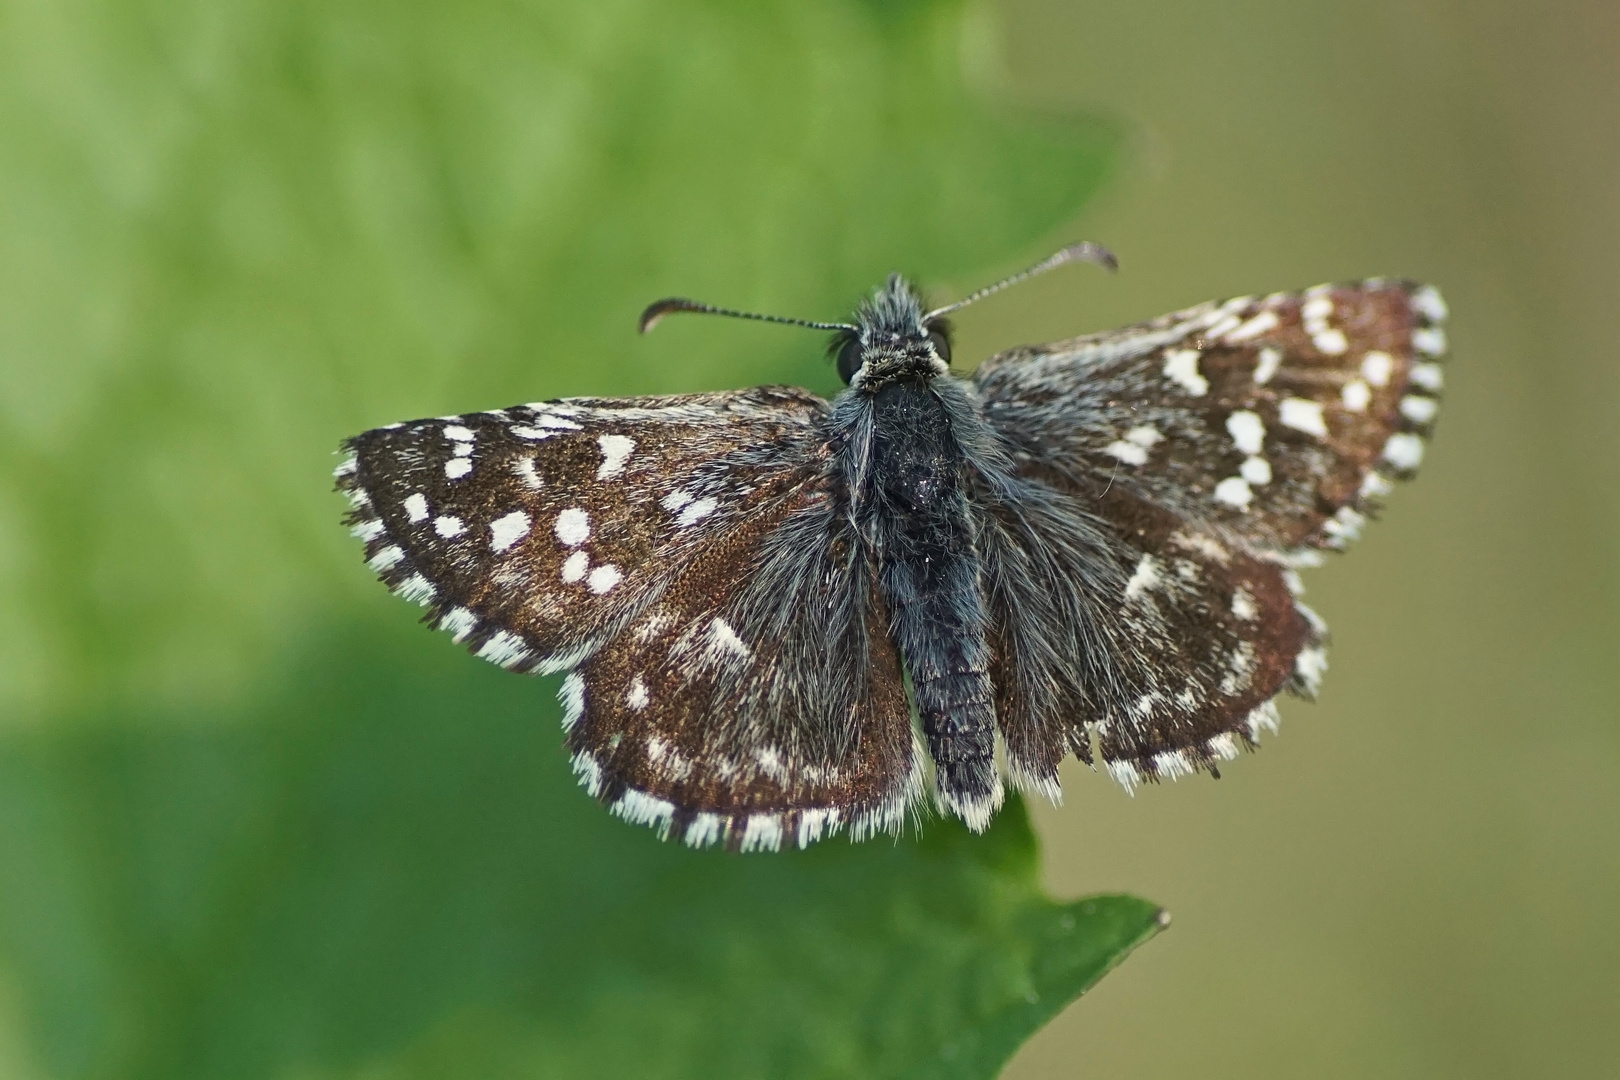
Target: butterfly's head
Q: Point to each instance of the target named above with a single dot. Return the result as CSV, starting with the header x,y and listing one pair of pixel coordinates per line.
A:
x,y
893,336
892,339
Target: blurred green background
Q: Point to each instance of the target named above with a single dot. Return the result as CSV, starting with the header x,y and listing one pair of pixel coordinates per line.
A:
x,y
253,822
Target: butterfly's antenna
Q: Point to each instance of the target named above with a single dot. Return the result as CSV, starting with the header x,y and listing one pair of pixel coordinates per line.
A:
x,y
1085,251
656,311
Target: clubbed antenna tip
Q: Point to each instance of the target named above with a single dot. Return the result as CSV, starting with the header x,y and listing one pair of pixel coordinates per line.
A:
x,y
1084,251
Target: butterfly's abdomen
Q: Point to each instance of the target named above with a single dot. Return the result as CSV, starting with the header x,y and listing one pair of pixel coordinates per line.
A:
x,y
920,519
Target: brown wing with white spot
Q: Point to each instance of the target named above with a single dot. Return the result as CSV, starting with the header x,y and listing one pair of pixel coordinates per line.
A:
x,y
1211,634
1275,422
759,702
535,533
1114,622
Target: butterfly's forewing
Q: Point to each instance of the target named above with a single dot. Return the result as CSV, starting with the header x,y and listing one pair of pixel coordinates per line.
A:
x,y
1278,422
533,534
1209,448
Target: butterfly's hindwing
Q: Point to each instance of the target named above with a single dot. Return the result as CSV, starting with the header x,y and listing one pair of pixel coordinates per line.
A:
x,y
1162,644
1278,422
759,703
1050,568
1207,634
533,533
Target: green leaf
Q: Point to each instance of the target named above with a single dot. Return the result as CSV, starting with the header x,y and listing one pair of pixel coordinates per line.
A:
x,y
232,234
389,872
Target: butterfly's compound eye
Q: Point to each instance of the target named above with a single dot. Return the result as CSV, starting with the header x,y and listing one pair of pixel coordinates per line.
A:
x,y
941,343
849,358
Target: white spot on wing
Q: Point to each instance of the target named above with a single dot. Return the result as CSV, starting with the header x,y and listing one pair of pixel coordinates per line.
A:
x,y
762,833
457,467
616,450
1404,451
449,526
417,589
1428,301
723,638
1263,717
1375,486
574,567
1266,320
458,433
1126,772
1145,578
1270,361
416,507
1171,764
704,830
508,529
1248,431
1419,410
695,512
1243,605
572,695
1181,367
636,699
1256,470
770,763
1202,544
587,770
1376,368
650,627
1310,665
524,467
1332,342
1234,491
385,559
1344,526
534,434
1317,309
1427,376
1144,435
603,578
1129,453
458,622
1302,415
1356,395
639,808
1430,341
573,526
505,649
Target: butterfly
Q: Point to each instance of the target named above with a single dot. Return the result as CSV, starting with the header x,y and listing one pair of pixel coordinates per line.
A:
x,y
782,617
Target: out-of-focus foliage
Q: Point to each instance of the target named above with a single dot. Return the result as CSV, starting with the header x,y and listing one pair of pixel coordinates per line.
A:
x,y
235,233
254,823
388,872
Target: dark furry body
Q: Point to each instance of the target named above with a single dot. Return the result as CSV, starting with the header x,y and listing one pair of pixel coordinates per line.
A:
x,y
912,509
